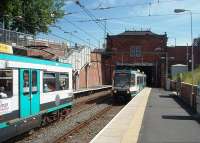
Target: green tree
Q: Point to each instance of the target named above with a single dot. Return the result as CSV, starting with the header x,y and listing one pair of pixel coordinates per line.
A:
x,y
30,16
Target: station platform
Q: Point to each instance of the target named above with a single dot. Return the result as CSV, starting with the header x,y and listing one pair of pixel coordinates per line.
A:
x,y
78,92
153,116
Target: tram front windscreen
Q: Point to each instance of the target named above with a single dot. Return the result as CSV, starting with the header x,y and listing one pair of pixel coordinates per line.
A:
x,y
121,80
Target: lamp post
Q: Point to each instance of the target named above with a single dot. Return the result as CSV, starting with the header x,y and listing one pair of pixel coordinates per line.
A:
x,y
191,32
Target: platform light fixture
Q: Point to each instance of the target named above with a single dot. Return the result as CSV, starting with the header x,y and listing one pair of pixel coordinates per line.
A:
x,y
190,12
191,28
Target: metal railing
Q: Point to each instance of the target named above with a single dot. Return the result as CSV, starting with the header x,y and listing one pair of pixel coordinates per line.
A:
x,y
15,38
21,39
78,56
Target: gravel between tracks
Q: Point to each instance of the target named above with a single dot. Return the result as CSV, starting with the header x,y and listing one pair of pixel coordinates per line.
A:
x,y
87,134
50,133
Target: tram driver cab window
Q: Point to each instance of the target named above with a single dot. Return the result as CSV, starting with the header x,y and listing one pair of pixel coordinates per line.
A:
x,y
6,83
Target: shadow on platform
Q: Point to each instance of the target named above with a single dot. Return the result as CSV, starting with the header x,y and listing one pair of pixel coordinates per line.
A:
x,y
166,96
174,117
183,105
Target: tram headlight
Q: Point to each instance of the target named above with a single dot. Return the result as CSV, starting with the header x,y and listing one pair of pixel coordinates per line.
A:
x,y
128,92
114,91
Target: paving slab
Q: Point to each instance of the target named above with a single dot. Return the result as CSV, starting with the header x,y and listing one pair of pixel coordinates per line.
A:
x,y
168,120
125,126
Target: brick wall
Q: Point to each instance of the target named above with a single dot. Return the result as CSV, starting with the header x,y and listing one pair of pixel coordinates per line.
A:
x,y
119,47
43,49
49,50
187,96
186,93
173,85
91,74
180,55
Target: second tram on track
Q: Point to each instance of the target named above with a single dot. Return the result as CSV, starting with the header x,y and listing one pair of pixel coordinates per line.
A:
x,y
32,91
127,83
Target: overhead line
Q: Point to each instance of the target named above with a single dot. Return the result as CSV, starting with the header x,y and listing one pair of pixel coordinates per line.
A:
x,y
94,19
127,5
135,5
90,15
73,24
55,35
140,16
60,28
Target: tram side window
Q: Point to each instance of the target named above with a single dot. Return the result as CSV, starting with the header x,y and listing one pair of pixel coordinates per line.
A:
x,y
63,81
6,83
49,82
34,81
26,82
138,80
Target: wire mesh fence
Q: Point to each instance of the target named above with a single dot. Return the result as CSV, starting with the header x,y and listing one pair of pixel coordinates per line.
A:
x,y
15,38
21,39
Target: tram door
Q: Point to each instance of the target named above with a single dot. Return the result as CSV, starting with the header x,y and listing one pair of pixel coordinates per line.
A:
x,y
29,90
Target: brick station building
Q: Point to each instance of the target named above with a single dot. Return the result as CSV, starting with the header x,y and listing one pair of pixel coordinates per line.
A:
x,y
140,49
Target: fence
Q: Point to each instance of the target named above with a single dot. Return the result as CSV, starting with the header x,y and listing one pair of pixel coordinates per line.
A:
x,y
16,38
22,40
184,91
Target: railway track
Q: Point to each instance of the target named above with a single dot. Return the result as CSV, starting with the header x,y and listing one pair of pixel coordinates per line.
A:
x,y
86,108
81,106
90,99
81,125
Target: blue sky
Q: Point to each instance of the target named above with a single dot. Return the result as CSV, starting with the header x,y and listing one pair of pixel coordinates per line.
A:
x,y
127,15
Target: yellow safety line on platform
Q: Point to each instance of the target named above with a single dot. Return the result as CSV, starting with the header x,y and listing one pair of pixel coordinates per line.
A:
x,y
132,134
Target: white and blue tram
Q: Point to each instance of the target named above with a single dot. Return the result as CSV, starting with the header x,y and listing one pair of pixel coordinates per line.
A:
x,y
32,91
127,83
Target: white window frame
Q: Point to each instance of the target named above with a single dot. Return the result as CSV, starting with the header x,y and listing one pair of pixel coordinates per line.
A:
x,y
135,51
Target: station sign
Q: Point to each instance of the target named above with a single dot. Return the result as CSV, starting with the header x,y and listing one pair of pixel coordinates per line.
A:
x,y
6,49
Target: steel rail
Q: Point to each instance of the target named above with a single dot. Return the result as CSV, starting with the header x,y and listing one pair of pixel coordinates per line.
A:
x,y
63,138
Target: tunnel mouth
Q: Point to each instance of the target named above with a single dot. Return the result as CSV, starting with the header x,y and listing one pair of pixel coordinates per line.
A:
x,y
148,70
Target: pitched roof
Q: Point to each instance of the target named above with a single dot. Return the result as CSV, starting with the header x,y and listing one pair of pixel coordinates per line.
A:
x,y
138,33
